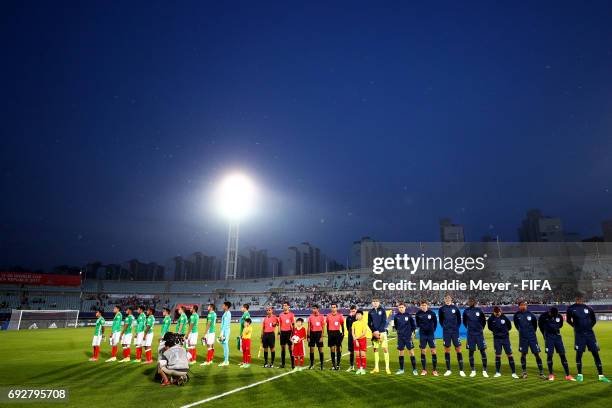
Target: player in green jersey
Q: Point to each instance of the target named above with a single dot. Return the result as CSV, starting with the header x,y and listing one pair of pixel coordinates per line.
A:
x,y
148,335
181,323
192,339
115,332
140,327
126,334
209,337
98,335
165,327
245,315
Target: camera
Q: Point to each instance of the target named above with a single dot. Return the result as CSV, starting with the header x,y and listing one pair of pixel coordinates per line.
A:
x,y
171,339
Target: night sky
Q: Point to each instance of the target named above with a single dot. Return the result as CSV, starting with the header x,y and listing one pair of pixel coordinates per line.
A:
x,y
354,120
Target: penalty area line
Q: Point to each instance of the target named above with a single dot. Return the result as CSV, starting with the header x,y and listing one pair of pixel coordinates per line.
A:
x,y
255,384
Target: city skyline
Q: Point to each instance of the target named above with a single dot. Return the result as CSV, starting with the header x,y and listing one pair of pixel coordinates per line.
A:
x,y
535,227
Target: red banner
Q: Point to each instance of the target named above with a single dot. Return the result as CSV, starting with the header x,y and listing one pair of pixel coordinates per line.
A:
x,y
43,279
188,306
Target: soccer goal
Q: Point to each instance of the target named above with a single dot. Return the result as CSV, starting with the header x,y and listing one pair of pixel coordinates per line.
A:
x,y
42,319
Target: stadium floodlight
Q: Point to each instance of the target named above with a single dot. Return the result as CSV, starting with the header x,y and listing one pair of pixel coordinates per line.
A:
x,y
235,201
236,197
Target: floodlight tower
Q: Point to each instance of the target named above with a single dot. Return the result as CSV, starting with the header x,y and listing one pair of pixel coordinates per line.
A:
x,y
231,263
236,199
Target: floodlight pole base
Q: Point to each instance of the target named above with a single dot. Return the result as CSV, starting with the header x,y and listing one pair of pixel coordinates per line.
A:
x,y
231,264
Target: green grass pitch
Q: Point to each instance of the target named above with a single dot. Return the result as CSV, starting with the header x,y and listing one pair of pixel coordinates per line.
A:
x,y
58,359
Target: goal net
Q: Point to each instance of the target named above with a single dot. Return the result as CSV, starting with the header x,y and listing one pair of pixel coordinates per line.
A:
x,y
42,319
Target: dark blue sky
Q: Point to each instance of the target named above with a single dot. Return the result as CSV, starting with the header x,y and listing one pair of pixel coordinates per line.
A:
x,y
356,119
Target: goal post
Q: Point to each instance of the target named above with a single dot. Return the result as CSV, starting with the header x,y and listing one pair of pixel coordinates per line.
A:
x,y
42,319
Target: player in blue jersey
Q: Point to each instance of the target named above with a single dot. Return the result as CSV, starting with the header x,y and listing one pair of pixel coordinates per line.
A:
x,y
582,318
377,322
450,320
527,323
500,326
427,322
550,324
405,327
474,320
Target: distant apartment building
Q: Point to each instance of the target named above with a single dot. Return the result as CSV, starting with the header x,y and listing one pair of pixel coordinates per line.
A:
x,y
606,227
180,269
196,266
308,253
203,266
450,232
364,250
242,267
98,270
294,261
331,265
141,271
539,228
275,267
303,259
94,270
356,250
257,263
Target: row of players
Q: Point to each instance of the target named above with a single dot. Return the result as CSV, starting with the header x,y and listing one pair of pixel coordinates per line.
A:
x,y
293,335
121,332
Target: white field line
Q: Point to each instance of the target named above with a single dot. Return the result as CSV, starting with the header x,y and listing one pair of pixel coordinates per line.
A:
x,y
255,384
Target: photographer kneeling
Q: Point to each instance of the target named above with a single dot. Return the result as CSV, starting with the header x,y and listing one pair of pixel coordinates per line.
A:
x,y
174,362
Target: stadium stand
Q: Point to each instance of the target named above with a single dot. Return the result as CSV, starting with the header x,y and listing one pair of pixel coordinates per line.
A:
x,y
592,275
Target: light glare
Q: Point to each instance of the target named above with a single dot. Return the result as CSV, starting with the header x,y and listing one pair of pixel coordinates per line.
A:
x,y
236,196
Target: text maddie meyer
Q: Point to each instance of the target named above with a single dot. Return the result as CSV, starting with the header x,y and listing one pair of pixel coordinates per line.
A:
x,y
455,285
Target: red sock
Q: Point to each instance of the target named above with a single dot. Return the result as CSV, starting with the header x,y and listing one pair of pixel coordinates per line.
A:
x,y
148,354
114,351
209,355
94,352
97,351
138,353
363,363
301,361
